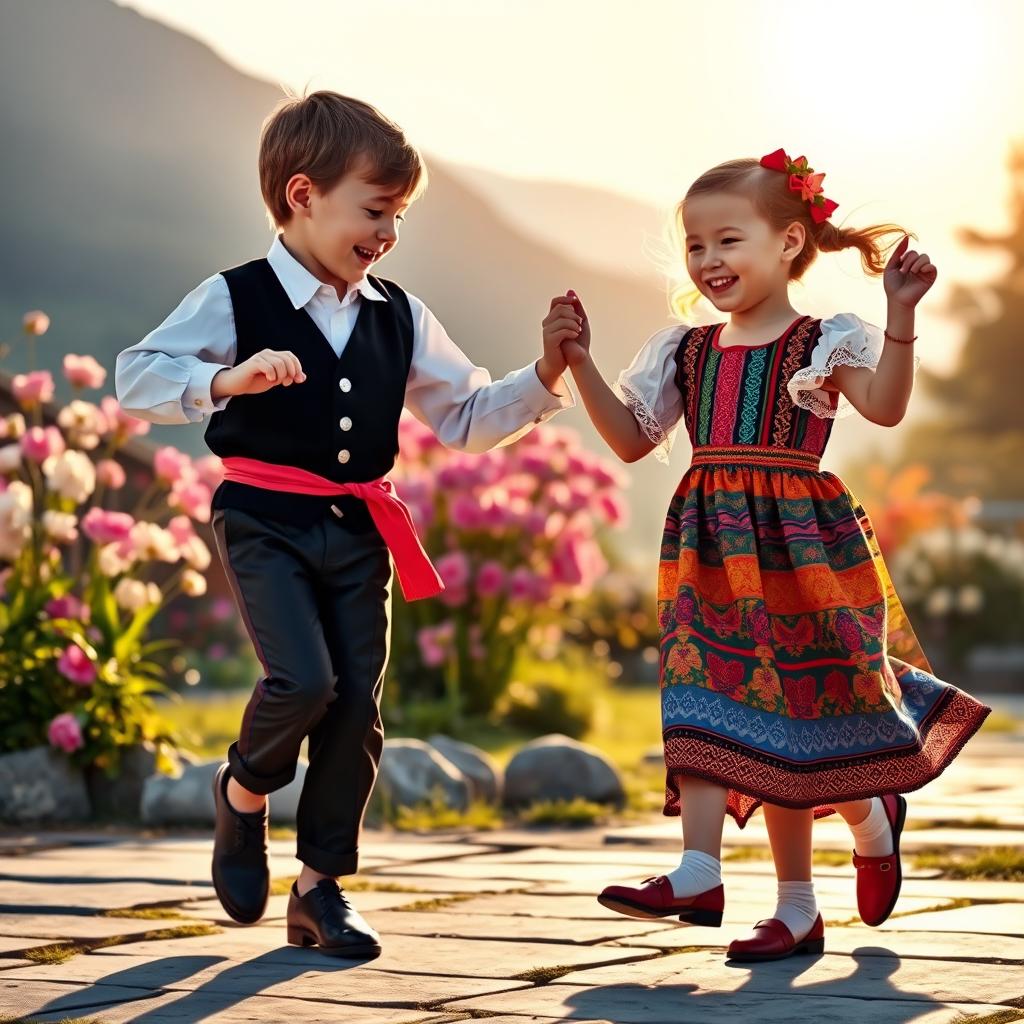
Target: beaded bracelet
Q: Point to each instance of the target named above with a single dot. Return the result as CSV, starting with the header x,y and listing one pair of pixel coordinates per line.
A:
x,y
900,341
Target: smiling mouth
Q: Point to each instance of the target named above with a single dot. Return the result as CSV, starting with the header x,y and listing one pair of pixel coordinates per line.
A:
x,y
718,285
366,256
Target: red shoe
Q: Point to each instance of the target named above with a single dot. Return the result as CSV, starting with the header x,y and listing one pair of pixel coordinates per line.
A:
x,y
879,878
655,898
772,940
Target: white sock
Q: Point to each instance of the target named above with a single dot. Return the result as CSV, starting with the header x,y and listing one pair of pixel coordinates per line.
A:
x,y
873,836
697,872
797,908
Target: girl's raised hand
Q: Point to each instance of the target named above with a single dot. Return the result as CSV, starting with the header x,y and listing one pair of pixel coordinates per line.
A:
x,y
908,275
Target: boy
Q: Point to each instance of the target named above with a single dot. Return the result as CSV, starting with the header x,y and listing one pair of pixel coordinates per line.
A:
x,y
308,429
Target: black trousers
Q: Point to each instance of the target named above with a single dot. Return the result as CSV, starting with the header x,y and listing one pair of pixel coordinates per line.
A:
x,y
316,602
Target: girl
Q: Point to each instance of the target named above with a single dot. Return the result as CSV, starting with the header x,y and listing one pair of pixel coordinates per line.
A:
x,y
790,676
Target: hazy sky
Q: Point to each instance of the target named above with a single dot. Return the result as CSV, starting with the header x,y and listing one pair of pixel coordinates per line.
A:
x,y
909,106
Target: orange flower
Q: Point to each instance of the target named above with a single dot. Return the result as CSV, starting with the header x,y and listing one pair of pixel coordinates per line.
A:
x,y
808,185
868,687
766,685
683,659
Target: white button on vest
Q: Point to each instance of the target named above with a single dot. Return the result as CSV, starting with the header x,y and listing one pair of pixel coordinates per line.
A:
x,y
345,384
344,455
345,423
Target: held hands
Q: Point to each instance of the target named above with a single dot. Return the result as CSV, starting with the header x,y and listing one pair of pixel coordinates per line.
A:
x,y
908,276
567,328
257,374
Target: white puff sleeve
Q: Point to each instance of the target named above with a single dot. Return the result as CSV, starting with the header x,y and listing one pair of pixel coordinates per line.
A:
x,y
845,340
649,391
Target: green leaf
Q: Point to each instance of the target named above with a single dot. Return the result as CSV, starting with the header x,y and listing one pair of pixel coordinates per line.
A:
x,y
126,643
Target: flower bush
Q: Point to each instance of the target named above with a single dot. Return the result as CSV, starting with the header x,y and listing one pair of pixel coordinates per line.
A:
x,y
964,585
515,534
81,576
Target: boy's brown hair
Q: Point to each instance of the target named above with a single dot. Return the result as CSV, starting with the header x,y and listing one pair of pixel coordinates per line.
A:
x,y
324,135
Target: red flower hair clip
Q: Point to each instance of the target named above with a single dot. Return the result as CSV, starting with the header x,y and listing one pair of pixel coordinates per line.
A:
x,y
802,179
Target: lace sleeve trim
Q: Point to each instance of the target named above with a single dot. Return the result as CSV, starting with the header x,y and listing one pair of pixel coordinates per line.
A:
x,y
645,417
807,392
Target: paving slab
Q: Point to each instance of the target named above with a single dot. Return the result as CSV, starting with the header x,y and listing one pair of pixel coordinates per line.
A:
x,y
409,954
214,1008
986,918
685,1004
854,976
326,979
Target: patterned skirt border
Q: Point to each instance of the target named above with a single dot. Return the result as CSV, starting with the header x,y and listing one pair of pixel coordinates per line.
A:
x,y
954,721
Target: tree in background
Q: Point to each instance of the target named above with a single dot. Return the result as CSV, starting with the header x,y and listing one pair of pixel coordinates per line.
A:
x,y
975,446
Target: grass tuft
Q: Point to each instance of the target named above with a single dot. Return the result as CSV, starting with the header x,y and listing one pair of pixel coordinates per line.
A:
x,y
576,812
146,913
545,975
1002,863
438,903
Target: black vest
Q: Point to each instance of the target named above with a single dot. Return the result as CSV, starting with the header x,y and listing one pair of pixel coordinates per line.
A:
x,y
341,422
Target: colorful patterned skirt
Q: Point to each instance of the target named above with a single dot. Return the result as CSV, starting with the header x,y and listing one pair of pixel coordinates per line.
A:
x,y
789,671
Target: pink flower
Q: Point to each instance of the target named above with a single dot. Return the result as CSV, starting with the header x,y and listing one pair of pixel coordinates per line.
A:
x,y
65,733
39,443
30,388
68,607
453,568
490,579
434,643
465,512
84,371
120,422
559,494
210,470
105,527
181,529
493,511
221,609
110,473
612,508
521,584
35,323
171,465
576,561
76,665
536,462
193,498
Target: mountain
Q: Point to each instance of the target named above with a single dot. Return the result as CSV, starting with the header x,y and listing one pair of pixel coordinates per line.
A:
x,y
603,230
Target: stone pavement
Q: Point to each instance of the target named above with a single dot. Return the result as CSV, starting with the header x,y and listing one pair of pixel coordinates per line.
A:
x,y
504,925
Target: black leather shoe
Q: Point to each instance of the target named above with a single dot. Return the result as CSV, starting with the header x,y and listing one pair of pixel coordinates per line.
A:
x,y
325,918
241,868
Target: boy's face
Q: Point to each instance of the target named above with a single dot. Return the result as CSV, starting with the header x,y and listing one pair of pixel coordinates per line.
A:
x,y
354,224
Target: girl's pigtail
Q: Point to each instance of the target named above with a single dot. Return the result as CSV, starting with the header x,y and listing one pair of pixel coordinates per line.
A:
x,y
871,242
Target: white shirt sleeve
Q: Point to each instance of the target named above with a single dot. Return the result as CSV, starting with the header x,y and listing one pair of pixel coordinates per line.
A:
x,y
459,401
845,340
649,391
166,377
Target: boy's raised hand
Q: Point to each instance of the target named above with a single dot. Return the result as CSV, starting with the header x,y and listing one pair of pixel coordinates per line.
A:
x,y
261,372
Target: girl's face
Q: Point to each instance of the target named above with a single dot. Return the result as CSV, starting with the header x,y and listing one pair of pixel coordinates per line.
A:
x,y
733,255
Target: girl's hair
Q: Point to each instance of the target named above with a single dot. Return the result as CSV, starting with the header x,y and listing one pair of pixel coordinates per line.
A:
x,y
780,206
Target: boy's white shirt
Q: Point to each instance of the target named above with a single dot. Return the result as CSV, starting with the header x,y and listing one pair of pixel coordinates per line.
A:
x,y
166,377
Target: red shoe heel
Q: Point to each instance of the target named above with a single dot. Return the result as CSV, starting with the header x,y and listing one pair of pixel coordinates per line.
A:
x,y
704,918
812,946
